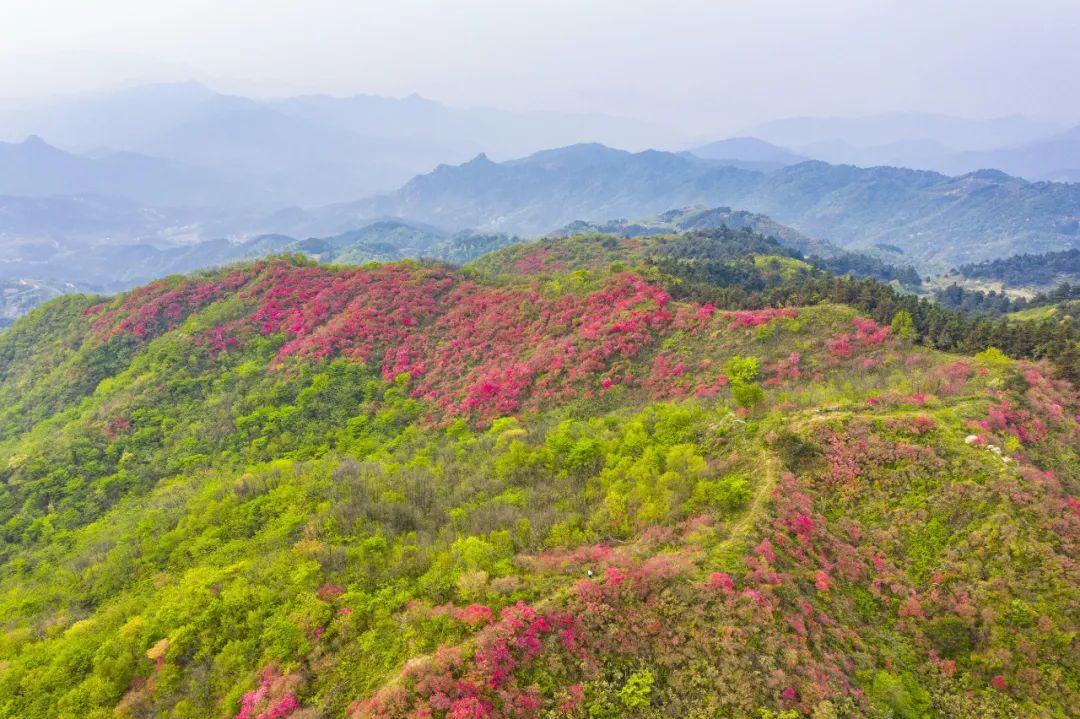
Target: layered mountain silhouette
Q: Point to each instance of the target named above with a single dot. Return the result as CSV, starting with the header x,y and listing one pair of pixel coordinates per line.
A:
x,y
36,168
749,152
935,219
306,150
1017,145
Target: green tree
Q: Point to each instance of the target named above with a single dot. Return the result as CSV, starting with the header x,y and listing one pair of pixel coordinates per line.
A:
x,y
903,326
637,692
741,373
741,370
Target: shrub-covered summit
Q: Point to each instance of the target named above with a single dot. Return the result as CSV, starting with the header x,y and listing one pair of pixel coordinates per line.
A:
x,y
560,482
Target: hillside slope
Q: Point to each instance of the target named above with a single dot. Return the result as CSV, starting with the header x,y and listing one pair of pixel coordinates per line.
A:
x,y
1027,270
701,218
538,486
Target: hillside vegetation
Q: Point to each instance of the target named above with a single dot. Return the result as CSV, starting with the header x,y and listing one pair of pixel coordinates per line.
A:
x,y
1028,270
997,303
700,218
591,477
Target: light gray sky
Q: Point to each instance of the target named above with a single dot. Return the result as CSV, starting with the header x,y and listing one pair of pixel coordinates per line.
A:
x,y
702,66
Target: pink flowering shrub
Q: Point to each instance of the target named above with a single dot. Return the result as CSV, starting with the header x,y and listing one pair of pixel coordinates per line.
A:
x,y
272,699
329,592
474,614
757,318
868,336
787,368
1004,419
720,582
160,306
869,333
839,346
951,378
487,683
470,349
539,260
918,425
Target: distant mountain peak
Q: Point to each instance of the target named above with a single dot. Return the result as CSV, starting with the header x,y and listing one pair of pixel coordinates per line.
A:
x,y
34,146
576,154
35,141
748,149
990,175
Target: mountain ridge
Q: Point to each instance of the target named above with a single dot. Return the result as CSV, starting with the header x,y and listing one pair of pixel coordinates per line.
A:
x,y
35,168
300,490
938,220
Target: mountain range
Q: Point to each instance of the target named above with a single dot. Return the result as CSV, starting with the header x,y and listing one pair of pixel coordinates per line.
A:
x,y
181,172
934,220
305,150
315,149
1015,145
33,168
911,217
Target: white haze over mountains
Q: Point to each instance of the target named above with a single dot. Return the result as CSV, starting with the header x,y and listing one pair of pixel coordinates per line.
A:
x,y
178,163
1035,150
307,150
183,144
703,68
321,101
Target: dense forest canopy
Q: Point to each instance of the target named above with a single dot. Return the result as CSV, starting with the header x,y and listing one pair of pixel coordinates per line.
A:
x,y
1027,270
998,303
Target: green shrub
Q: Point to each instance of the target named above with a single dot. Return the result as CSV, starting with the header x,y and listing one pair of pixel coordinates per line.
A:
x,y
637,692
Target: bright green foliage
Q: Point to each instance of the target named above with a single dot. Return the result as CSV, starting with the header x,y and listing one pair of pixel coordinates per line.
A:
x,y
741,373
747,395
741,370
770,714
902,695
185,524
903,326
637,691
992,357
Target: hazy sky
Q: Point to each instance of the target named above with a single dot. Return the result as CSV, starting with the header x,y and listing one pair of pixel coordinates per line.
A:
x,y
702,66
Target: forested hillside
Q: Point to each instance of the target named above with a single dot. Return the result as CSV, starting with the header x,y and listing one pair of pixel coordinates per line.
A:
x,y
701,218
1028,270
685,475
998,303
